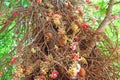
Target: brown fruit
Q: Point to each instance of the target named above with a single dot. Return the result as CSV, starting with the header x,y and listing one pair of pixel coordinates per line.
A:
x,y
1,73
48,35
99,38
82,72
63,42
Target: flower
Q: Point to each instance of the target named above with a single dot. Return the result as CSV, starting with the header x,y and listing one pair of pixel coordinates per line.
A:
x,y
13,60
97,7
66,4
85,26
42,77
76,38
54,74
91,34
33,50
75,28
15,14
61,31
114,17
75,56
73,47
39,1
93,20
48,19
98,31
16,76
83,60
57,22
57,16
80,11
88,1
56,19
73,70
49,14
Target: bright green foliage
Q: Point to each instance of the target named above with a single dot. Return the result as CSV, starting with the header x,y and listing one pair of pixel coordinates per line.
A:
x,y
7,42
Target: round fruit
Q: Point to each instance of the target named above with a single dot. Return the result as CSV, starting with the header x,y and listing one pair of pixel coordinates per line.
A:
x,y
82,72
48,35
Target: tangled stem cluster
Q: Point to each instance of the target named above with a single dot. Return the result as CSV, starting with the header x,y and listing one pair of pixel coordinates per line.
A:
x,y
55,41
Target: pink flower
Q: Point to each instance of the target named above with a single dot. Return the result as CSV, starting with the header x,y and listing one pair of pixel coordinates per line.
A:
x,y
88,1
66,4
74,46
13,60
57,16
57,22
91,34
80,11
93,20
39,1
61,31
16,76
76,38
97,7
85,26
49,14
54,74
114,17
98,31
42,77
15,14
75,56
48,19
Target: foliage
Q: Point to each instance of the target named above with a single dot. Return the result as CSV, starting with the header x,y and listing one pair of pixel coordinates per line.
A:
x,y
7,41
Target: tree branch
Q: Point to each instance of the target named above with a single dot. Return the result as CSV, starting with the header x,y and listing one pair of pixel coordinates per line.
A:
x,y
106,20
117,3
10,19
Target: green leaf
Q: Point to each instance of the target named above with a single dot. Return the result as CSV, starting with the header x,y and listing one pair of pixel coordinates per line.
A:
x,y
6,3
24,3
